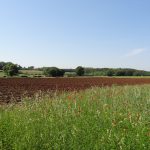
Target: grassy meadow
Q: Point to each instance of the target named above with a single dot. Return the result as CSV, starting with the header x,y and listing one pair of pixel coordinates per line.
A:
x,y
95,119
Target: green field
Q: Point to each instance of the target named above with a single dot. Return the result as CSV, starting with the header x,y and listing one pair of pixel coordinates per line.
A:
x,y
1,73
99,118
30,73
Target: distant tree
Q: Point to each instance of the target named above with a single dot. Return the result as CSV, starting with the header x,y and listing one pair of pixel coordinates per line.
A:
x,y
129,72
19,67
69,70
2,64
110,73
48,72
10,69
60,73
138,73
53,72
80,71
120,73
89,71
30,67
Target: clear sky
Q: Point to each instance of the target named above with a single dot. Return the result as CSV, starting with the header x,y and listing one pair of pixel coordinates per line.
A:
x,y
68,33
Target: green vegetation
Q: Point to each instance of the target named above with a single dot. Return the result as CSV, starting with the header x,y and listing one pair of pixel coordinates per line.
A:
x,y
2,64
80,71
31,71
10,69
30,68
98,118
70,74
115,72
2,73
53,72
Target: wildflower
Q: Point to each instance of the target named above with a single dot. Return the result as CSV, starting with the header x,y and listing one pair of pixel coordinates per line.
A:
x,y
69,97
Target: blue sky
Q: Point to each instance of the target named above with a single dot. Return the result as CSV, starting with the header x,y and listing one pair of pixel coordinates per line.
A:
x,y
68,33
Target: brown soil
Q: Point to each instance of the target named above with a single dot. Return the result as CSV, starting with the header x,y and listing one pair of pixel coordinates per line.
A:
x,y
14,88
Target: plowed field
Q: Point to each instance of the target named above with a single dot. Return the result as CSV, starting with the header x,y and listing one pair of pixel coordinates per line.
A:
x,y
14,88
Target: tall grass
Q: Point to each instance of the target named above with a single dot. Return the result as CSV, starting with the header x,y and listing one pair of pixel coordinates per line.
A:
x,y
98,118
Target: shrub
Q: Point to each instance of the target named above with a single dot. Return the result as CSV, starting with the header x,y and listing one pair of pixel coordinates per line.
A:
x,y
24,76
10,69
2,64
109,73
80,71
53,72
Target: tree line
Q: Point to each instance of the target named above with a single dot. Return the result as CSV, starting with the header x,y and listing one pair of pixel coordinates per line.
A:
x,y
115,72
11,69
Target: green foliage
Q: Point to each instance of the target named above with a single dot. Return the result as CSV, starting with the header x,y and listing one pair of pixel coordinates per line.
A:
x,y
31,68
80,71
2,64
70,74
31,73
53,72
138,73
115,72
110,73
120,73
98,118
1,74
10,69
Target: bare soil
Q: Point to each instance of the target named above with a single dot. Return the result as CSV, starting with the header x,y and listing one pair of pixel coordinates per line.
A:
x,y
12,89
